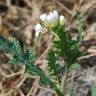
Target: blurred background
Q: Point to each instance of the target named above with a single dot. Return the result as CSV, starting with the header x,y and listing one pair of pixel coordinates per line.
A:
x,y
18,17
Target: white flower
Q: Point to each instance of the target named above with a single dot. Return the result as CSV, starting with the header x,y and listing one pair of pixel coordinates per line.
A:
x,y
38,29
52,17
51,14
61,19
43,17
55,14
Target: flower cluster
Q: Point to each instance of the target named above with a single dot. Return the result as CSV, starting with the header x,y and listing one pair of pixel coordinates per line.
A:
x,y
49,21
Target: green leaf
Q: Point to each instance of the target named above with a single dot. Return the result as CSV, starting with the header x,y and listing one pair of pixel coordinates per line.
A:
x,y
52,65
4,44
15,61
11,46
57,44
74,66
15,47
43,78
28,55
80,26
93,90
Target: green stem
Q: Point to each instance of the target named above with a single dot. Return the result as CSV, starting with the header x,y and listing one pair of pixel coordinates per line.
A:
x,y
64,79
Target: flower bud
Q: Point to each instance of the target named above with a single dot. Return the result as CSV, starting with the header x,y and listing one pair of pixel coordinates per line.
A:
x,y
61,19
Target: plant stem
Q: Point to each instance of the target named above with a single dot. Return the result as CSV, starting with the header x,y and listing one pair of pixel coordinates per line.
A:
x,y
63,82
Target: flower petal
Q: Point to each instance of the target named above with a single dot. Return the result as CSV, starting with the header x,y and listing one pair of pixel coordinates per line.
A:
x,y
37,27
43,17
55,14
